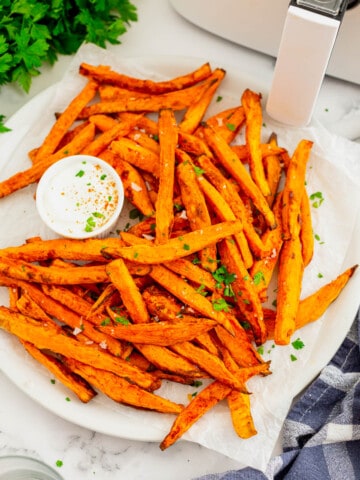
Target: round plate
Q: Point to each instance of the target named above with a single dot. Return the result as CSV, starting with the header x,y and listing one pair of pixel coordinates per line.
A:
x,y
270,400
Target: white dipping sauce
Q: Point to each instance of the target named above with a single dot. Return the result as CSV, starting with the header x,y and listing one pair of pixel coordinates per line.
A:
x,y
80,197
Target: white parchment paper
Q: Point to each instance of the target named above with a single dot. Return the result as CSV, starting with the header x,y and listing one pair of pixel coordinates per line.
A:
x,y
333,170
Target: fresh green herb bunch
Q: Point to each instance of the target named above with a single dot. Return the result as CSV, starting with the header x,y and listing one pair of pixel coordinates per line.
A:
x,y
33,32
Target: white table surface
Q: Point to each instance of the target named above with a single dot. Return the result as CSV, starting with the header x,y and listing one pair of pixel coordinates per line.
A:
x,y
27,428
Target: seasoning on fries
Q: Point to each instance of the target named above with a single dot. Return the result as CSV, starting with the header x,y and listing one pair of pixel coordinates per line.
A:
x,y
180,296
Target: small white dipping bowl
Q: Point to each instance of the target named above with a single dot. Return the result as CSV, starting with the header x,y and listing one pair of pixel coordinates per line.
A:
x,y
80,197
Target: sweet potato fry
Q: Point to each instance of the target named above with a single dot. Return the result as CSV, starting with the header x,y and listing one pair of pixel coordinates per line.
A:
x,y
169,361
31,175
104,74
192,272
55,309
223,211
129,292
179,247
121,390
294,189
188,295
229,193
312,307
103,141
103,122
210,363
195,113
164,213
251,102
240,410
233,165
66,119
136,155
135,189
203,402
306,231
291,269
245,294
263,268
195,205
44,338
273,169
75,383
226,123
177,100
37,273
92,249
160,333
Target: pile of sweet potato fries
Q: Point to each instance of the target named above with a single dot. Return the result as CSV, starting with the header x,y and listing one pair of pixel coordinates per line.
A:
x,y
180,295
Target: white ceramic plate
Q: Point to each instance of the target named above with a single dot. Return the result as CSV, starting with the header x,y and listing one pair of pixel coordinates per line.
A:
x,y
19,220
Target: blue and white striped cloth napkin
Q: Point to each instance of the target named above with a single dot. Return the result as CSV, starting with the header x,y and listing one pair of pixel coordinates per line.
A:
x,y
321,437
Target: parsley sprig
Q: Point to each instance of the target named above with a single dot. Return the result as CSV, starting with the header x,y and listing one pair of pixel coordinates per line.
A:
x,y
34,32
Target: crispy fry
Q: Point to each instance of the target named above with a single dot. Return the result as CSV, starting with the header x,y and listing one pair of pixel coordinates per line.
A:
x,y
229,193
209,363
251,102
196,208
226,123
44,337
91,249
263,269
181,246
164,214
66,119
291,269
122,391
37,273
78,385
129,292
245,294
223,211
160,333
239,405
294,189
137,155
203,402
233,165
306,230
177,100
26,177
104,74
272,168
188,295
135,189
195,113
102,141
169,361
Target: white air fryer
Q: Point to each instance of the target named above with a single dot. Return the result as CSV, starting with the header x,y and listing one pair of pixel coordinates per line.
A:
x,y
308,37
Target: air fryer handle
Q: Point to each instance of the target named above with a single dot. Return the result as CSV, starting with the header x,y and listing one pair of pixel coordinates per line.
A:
x,y
307,40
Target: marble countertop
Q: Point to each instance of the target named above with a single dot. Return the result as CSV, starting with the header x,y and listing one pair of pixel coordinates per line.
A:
x,y
27,428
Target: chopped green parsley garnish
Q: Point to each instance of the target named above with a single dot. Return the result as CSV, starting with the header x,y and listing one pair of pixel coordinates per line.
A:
x,y
80,173
122,320
293,358
219,98
103,176
258,278
59,463
298,344
105,322
220,305
316,199
231,127
198,171
260,350
186,246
